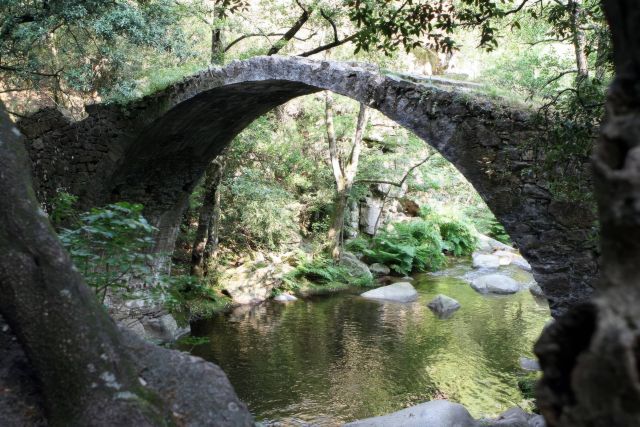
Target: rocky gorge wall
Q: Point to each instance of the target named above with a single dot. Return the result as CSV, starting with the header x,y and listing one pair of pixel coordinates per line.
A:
x,y
154,150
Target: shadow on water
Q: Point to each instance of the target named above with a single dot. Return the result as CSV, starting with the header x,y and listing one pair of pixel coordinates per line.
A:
x,y
332,359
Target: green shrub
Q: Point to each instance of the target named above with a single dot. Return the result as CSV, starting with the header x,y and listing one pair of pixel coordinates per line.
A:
x,y
359,244
458,238
111,246
323,270
409,246
63,211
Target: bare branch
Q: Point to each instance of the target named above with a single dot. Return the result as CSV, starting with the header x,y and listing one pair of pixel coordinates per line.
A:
x,y
333,24
328,46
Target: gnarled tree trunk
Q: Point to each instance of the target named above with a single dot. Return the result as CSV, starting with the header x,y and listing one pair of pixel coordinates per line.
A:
x,y
591,355
90,372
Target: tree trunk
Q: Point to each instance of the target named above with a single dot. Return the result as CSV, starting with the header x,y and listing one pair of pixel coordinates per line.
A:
x,y
210,206
344,176
282,42
71,342
579,39
217,46
90,372
337,225
213,238
590,357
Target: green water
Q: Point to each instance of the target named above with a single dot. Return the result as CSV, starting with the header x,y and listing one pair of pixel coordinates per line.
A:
x,y
333,359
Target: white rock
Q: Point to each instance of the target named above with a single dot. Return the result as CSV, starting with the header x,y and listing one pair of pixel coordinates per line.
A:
x,y
504,257
436,413
399,292
443,306
285,298
519,261
529,364
496,284
487,245
485,261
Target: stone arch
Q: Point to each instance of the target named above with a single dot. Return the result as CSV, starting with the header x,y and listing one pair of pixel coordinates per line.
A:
x,y
155,149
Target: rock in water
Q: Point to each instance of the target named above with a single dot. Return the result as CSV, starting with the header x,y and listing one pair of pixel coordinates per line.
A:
x,y
495,284
529,364
443,306
398,292
285,298
485,261
436,413
487,245
379,269
536,290
514,417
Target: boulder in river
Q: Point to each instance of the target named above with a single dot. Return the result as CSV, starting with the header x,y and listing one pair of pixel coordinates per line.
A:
x,y
379,269
485,261
285,298
443,306
487,244
529,364
536,290
514,417
495,284
398,292
436,413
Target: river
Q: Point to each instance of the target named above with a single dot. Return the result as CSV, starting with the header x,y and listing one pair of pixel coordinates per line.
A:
x,y
331,359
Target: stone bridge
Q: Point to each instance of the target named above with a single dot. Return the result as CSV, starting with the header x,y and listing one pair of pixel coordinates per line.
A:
x,y
154,150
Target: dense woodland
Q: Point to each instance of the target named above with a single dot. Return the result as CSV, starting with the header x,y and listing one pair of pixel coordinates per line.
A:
x,y
316,180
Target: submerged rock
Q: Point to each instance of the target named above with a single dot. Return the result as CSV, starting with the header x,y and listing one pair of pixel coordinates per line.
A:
x,y
436,413
495,284
399,292
443,306
379,269
285,298
485,261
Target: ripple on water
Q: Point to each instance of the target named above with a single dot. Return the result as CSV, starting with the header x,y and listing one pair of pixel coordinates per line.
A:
x,y
336,358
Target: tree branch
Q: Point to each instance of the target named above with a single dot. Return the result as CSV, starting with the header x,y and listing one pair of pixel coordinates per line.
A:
x,y
290,33
246,36
328,46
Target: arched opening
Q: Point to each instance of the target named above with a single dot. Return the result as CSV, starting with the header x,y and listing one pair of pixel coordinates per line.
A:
x,y
351,358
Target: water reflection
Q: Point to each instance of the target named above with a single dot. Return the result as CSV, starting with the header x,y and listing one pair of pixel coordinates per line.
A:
x,y
334,359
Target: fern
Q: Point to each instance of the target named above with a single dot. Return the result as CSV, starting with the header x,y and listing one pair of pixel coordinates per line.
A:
x,y
458,238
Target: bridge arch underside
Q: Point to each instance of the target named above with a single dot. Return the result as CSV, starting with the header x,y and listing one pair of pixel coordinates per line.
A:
x,y
177,133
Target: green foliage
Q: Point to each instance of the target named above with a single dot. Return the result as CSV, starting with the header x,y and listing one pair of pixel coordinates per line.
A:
x,y
259,213
86,46
458,237
415,245
322,270
497,231
359,244
111,246
63,211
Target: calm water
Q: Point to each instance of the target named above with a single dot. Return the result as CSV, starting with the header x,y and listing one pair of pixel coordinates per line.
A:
x,y
338,358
